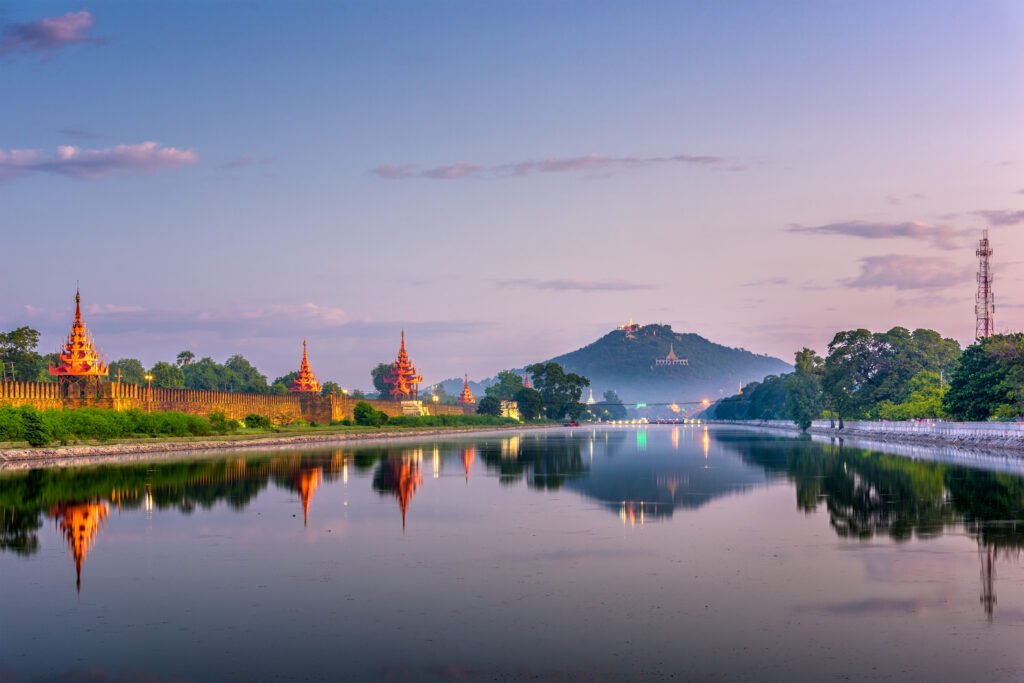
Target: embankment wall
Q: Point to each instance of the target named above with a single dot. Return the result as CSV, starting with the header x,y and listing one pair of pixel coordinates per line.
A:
x,y
235,405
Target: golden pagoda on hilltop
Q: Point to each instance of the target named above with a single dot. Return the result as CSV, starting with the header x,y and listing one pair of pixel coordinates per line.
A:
x,y
403,377
526,380
305,382
467,395
79,523
79,359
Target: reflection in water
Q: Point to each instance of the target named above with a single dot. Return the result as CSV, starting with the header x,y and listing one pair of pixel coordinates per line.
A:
x,y
864,493
401,477
79,523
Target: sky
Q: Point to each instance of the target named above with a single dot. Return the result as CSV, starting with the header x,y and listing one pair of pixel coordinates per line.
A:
x,y
506,181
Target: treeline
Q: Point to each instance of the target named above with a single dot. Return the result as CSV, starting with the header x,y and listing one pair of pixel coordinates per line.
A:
x,y
894,375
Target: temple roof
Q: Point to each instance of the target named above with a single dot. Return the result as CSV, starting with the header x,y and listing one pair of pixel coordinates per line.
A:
x,y
403,377
305,382
79,357
467,394
79,524
671,353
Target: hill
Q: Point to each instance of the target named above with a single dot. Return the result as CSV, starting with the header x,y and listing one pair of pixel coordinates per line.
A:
x,y
653,363
634,361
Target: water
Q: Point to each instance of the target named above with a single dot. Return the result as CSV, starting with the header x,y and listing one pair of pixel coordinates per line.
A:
x,y
668,553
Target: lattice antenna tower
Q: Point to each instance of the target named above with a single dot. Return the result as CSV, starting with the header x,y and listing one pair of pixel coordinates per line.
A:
x,y
985,299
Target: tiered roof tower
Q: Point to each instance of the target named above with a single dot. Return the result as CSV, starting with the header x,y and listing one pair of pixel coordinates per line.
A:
x,y
403,378
306,382
79,357
467,394
79,523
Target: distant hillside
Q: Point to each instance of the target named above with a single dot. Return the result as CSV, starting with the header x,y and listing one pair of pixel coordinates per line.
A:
x,y
627,360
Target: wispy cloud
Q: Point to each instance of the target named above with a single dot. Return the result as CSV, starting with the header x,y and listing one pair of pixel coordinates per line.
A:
x,y
94,163
577,285
767,282
589,162
941,236
908,273
80,133
49,34
1001,218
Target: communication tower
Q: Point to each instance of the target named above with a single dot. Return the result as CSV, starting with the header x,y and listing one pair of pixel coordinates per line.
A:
x,y
984,300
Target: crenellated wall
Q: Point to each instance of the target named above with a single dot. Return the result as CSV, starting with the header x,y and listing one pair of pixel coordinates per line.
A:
x,y
235,405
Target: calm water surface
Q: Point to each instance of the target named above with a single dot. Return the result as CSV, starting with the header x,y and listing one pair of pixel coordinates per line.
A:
x,y
668,553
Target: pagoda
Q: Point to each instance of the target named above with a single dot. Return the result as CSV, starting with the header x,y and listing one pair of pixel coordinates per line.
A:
x,y
467,395
526,380
307,481
403,377
79,524
79,359
305,382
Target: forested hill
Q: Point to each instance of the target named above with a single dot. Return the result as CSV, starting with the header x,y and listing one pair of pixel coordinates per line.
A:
x,y
625,360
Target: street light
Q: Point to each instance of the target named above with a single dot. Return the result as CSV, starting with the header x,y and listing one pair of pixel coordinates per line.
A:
x,y
435,398
149,392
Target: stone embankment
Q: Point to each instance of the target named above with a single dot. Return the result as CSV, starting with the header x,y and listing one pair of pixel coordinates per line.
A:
x,y
24,458
968,435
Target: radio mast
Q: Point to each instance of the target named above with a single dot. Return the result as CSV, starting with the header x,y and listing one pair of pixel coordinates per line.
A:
x,y
985,299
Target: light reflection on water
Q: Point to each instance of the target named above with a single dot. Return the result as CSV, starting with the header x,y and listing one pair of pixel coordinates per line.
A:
x,y
735,555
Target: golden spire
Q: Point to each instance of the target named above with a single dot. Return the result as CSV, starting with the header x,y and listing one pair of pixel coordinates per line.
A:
x,y
403,377
79,357
468,455
409,479
305,382
467,395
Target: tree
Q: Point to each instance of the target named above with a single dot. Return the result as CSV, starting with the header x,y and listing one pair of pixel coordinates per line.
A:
x,y
561,391
989,379
185,358
530,403
167,376
489,405
330,389
808,362
36,432
245,377
803,398
368,416
612,407
379,374
282,384
131,371
925,399
507,386
18,354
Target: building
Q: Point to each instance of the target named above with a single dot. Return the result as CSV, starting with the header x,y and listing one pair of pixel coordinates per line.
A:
x,y
671,358
305,382
467,396
403,378
81,367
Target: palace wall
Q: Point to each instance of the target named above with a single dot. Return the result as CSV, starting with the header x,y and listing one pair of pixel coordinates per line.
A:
x,y
235,405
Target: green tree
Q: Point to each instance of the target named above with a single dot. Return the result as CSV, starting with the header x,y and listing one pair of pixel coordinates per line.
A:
x,y
924,400
560,390
18,354
808,362
803,398
331,389
611,407
489,405
379,374
282,384
184,358
167,376
368,416
530,403
989,379
36,432
131,371
506,387
245,377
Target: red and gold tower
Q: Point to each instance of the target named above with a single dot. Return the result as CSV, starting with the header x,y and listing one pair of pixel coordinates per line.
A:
x,y
80,362
306,382
403,378
467,395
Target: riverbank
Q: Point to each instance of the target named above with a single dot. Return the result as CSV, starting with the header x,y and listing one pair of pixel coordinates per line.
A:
x,y
1000,436
63,456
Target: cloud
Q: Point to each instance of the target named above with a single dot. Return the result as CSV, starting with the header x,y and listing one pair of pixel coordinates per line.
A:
x,y
767,282
80,133
941,236
48,35
908,273
519,169
1001,217
576,285
94,163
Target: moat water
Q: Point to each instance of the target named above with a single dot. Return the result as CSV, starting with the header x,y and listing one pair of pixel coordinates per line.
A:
x,y
665,553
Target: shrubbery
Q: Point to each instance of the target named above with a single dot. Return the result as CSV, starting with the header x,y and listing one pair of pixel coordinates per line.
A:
x,y
39,428
367,416
255,421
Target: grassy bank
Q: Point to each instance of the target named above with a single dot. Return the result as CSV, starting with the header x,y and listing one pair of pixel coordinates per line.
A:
x,y
26,427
